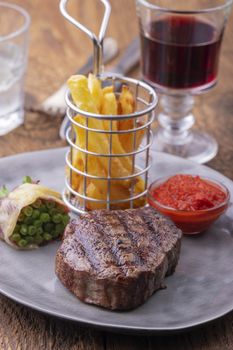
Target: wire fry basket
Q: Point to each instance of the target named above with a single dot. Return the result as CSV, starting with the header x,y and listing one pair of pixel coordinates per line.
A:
x,y
119,175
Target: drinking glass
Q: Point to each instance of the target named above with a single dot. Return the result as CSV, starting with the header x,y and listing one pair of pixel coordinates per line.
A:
x,y
13,61
180,47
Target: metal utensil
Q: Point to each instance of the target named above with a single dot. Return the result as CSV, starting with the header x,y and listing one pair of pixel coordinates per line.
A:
x,y
127,62
55,104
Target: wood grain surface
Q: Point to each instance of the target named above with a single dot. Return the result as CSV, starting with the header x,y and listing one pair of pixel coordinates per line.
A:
x,y
56,50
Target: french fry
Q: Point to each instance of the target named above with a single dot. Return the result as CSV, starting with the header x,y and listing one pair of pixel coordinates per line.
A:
x,y
109,107
118,191
96,142
126,102
108,89
88,96
109,104
126,105
99,143
96,91
81,95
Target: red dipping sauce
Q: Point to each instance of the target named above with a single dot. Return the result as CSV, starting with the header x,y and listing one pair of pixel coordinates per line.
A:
x,y
192,202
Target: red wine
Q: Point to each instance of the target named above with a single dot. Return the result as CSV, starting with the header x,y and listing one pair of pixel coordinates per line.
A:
x,y
180,52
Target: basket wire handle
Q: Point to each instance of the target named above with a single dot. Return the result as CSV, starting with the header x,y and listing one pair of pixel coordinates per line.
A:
x,y
97,40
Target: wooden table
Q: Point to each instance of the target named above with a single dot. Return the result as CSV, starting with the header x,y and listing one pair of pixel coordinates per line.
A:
x,y
56,51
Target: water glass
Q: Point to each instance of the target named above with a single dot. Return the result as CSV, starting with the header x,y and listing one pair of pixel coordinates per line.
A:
x,y
14,30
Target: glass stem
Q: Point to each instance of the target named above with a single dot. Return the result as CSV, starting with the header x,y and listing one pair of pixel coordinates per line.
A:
x,y
176,119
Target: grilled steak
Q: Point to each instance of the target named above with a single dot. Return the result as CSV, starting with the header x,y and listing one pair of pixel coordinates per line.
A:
x,y
118,259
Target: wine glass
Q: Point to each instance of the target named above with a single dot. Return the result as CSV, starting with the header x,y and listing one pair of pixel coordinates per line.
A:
x,y
180,47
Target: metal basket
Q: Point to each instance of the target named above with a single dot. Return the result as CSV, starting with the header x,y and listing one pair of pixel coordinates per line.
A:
x,y
137,158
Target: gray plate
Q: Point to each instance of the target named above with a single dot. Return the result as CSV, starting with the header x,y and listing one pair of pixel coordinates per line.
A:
x,y
201,290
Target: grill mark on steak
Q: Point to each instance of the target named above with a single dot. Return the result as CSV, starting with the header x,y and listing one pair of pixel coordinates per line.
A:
x,y
134,241
119,239
153,229
145,238
74,246
101,226
75,251
167,230
96,250
169,237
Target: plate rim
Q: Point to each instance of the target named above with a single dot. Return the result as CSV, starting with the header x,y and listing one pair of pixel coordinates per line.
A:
x,y
114,327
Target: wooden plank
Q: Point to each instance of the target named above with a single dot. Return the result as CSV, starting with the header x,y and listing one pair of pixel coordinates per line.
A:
x,y
24,329
125,342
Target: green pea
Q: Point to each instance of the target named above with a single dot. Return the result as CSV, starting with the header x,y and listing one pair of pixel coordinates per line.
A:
x,y
49,226
54,233
28,211
43,209
22,243
50,204
39,230
24,230
16,237
32,230
65,219
28,220
38,239
57,218
37,203
44,217
38,223
52,211
21,217
17,228
29,239
47,236
59,229
36,214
